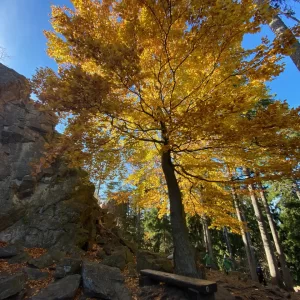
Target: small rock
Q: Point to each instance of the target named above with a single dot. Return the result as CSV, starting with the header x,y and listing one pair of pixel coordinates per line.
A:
x,y
57,254
11,285
21,258
115,260
42,262
35,274
48,259
8,251
68,266
101,281
64,289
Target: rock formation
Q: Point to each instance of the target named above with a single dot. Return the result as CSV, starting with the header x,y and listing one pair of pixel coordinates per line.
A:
x,y
53,208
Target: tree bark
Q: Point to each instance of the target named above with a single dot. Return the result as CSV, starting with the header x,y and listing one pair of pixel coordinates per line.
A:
x,y
248,236
228,246
287,278
296,188
246,239
138,227
275,278
208,242
279,27
184,256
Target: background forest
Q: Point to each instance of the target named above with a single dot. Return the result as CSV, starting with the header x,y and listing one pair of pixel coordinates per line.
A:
x,y
152,231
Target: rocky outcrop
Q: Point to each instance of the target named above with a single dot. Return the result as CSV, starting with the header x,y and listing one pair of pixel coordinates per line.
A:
x,y
53,208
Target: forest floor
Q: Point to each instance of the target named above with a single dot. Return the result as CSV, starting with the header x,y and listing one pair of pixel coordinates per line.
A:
x,y
230,287
236,286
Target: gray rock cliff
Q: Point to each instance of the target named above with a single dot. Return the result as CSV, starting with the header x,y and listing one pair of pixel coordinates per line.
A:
x,y
55,208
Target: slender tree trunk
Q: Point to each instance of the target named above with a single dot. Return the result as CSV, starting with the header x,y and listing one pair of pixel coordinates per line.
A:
x,y
246,239
184,256
138,227
279,27
275,278
296,188
288,281
208,242
248,236
228,246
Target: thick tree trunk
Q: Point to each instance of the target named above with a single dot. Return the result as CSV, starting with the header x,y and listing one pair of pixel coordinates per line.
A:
x,y
288,281
246,239
275,278
279,27
184,256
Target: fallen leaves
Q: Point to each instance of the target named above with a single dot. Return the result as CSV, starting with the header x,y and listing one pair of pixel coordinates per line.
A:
x,y
5,267
35,252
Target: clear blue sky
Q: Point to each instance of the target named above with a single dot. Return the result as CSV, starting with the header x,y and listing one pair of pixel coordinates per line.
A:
x,y
21,32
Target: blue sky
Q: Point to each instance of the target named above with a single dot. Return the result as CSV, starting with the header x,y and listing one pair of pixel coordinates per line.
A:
x,y
21,32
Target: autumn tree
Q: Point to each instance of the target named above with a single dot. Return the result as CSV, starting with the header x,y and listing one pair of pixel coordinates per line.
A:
x,y
170,77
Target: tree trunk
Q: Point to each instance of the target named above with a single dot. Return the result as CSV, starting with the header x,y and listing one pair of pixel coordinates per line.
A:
x,y
288,281
138,227
296,188
184,256
248,236
246,239
279,27
207,240
275,278
228,246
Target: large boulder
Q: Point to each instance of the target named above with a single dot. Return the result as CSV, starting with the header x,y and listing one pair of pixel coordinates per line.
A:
x,y
64,289
104,282
54,207
119,258
11,285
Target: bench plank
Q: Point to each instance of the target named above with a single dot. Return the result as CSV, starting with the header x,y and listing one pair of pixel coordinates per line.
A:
x,y
203,286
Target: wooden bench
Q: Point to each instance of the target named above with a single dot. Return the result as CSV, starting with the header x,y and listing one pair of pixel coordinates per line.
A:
x,y
197,289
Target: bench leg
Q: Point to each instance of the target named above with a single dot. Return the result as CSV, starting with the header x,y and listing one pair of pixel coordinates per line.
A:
x,y
195,295
146,281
